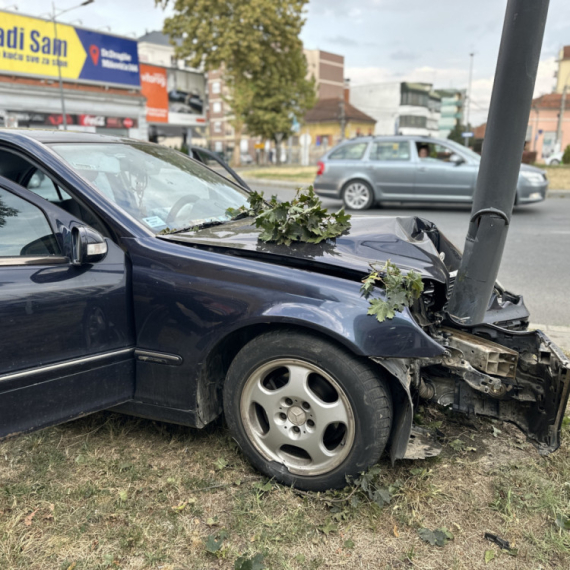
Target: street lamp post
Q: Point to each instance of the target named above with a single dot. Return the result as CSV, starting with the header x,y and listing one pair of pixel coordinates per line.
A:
x,y
57,44
471,55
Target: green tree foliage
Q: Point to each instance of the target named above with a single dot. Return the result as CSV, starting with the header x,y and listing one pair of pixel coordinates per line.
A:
x,y
303,219
456,134
6,212
566,155
400,290
256,44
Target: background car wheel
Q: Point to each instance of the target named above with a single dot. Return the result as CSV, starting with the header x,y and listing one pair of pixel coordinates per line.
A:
x,y
305,411
357,195
554,162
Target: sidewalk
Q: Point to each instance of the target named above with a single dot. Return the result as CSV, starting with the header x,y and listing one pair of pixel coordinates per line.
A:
x,y
559,335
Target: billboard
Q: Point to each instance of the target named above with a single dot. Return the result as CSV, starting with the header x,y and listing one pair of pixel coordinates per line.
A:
x,y
174,96
30,46
33,119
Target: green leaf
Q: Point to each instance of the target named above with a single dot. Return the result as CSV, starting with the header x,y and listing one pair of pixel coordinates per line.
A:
x,y
328,527
489,555
123,496
348,543
457,445
212,545
264,487
255,563
221,463
563,522
381,496
438,537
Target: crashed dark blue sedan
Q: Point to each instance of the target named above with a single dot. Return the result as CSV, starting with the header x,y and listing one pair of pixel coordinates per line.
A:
x,y
125,284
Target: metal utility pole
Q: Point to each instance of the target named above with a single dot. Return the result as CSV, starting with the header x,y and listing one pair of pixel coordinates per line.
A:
x,y
561,117
57,44
342,119
495,193
468,110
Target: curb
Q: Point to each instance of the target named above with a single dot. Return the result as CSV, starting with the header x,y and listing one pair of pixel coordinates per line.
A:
x,y
558,194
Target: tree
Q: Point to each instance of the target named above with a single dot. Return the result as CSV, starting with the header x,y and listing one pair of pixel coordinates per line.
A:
x,y
256,44
566,155
456,133
6,212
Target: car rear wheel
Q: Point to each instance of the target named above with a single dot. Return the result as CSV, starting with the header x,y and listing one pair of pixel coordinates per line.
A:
x,y
357,195
306,412
554,162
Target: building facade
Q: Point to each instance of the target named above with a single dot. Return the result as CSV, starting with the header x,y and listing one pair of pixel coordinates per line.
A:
x,y
100,78
452,106
399,108
327,69
543,125
176,111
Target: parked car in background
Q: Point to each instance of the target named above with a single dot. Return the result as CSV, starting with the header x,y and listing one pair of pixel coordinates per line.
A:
x,y
554,159
371,170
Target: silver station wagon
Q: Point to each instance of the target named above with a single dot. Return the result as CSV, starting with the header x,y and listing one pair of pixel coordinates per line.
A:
x,y
368,170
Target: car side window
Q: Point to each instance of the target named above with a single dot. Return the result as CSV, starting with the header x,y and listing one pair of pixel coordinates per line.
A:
x,y
399,150
24,229
45,187
349,152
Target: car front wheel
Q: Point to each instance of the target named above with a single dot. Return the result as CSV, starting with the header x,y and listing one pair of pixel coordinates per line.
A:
x,y
306,412
357,195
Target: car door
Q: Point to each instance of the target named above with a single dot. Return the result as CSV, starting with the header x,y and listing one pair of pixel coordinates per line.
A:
x,y
392,169
440,179
66,330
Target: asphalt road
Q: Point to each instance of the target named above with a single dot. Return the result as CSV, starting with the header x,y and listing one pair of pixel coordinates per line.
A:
x,y
536,261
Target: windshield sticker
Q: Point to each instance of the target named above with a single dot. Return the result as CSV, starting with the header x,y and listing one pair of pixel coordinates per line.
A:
x,y
154,222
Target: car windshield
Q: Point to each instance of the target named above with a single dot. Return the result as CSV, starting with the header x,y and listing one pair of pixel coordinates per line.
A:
x,y
158,186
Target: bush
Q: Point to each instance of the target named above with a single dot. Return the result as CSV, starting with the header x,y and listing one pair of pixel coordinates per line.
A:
x,y
566,155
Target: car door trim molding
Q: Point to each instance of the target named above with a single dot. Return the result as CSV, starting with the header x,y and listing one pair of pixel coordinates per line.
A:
x,y
66,364
158,357
35,260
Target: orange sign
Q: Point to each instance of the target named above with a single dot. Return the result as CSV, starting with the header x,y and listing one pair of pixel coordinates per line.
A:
x,y
153,84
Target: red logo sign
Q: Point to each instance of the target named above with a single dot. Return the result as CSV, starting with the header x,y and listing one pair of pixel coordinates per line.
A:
x,y
94,53
128,122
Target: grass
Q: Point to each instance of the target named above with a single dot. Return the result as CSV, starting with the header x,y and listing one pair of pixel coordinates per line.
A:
x,y
300,174
558,176
111,491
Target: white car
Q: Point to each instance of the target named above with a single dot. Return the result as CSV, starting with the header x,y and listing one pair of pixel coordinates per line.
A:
x,y
554,159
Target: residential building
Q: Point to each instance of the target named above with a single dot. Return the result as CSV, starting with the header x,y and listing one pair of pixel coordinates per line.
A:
x,y
99,76
563,73
452,104
324,123
543,125
399,108
175,93
328,71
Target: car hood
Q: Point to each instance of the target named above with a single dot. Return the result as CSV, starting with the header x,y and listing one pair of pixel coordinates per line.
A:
x,y
404,241
529,168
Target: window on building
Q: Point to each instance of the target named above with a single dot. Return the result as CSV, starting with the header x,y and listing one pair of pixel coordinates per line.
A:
x,y
218,146
216,87
349,152
414,121
217,127
415,98
390,151
173,61
217,107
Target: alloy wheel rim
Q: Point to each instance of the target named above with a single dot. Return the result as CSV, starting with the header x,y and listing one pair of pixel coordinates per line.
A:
x,y
296,414
357,195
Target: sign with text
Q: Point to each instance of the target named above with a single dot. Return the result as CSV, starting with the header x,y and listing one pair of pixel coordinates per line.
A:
x,y
31,46
153,87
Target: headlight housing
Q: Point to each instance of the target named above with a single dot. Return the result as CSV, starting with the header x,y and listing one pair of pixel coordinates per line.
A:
x,y
534,177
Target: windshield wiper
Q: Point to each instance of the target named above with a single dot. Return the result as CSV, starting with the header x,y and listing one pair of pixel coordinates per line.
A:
x,y
198,226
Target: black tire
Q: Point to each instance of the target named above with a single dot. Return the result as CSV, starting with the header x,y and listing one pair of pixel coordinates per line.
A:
x,y
554,162
363,387
350,205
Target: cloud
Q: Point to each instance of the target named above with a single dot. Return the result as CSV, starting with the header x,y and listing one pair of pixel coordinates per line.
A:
x,y
402,55
342,41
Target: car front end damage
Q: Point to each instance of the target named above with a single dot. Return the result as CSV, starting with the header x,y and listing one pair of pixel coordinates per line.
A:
x,y
497,369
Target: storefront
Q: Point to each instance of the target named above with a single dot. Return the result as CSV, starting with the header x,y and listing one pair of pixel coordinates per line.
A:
x,y
100,76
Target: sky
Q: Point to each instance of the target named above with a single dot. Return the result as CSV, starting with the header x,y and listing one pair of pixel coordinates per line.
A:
x,y
381,40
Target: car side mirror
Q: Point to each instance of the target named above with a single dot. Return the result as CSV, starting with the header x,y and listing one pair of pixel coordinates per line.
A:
x,y
87,246
456,159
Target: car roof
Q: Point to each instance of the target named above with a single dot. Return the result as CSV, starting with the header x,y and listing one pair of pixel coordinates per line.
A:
x,y
369,138
55,136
